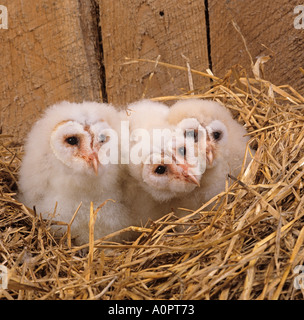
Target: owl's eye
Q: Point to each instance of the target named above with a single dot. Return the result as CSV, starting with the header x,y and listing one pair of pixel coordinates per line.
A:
x,y
72,140
182,151
191,133
217,135
102,138
160,170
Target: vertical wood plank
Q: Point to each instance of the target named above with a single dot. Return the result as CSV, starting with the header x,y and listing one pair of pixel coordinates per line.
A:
x,y
47,55
268,28
146,29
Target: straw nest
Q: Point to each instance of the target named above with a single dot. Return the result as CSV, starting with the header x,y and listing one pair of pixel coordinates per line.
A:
x,y
245,247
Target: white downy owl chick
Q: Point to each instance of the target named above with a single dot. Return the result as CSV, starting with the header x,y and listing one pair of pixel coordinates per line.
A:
x,y
155,175
225,143
61,165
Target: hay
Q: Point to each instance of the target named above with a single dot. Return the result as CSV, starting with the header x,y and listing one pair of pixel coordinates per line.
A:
x,y
246,247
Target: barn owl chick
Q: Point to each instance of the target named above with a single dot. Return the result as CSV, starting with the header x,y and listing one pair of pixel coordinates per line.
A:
x,y
225,142
156,173
61,165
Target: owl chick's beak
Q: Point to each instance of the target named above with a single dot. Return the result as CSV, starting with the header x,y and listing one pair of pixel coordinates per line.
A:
x,y
188,175
93,162
182,170
210,152
192,178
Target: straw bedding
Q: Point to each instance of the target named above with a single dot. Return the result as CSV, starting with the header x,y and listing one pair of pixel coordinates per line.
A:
x,y
245,247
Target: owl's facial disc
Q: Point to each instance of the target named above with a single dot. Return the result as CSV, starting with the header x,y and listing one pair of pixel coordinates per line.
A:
x,y
215,136
165,175
72,144
188,159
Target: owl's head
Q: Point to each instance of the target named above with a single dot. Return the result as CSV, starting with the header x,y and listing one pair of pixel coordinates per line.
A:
x,y
77,144
169,173
209,137
71,135
164,181
163,172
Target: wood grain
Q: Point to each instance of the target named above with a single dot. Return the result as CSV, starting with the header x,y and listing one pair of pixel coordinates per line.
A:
x,y
146,29
267,27
47,55
75,50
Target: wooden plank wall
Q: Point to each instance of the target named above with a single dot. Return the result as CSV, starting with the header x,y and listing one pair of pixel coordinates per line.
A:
x,y
146,29
75,50
268,28
45,57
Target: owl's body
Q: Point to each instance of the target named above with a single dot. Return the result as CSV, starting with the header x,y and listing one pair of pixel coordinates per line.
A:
x,y
226,145
61,165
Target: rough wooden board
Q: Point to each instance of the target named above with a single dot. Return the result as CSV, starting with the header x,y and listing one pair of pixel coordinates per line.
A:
x,y
265,23
47,55
146,29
